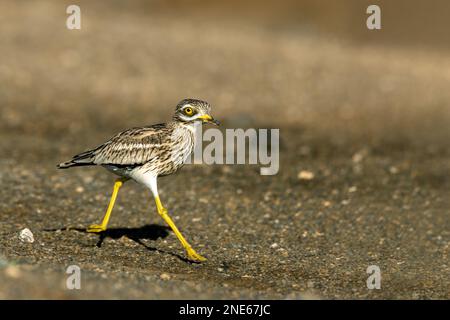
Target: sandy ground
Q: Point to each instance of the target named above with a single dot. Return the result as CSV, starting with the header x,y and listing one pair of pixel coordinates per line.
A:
x,y
371,122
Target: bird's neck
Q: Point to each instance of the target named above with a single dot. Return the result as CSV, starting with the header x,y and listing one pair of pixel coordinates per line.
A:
x,y
193,127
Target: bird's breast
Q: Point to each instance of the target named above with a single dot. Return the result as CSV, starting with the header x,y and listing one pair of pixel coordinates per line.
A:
x,y
179,147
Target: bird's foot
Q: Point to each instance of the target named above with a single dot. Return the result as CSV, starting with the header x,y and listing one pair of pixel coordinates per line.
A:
x,y
194,256
95,228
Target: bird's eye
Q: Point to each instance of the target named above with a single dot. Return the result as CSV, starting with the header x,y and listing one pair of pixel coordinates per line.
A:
x,y
188,111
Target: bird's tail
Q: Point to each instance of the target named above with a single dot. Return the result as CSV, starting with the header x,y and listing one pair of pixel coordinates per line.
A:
x,y
82,159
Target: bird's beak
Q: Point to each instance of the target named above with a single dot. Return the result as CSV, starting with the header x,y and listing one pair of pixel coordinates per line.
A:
x,y
207,118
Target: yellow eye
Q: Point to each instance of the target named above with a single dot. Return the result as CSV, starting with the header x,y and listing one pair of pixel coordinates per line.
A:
x,y
188,111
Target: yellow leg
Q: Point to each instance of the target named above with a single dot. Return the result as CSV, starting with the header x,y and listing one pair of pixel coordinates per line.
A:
x,y
102,227
194,256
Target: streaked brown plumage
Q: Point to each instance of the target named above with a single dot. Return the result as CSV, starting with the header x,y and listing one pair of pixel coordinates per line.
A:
x,y
145,153
158,148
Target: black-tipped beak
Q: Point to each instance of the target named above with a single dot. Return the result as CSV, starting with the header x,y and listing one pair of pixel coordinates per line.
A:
x,y
208,118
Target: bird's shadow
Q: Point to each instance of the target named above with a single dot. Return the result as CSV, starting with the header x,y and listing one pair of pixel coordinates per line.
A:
x,y
147,232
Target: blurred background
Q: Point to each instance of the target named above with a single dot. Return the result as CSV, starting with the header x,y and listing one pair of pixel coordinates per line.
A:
x,y
362,110
280,63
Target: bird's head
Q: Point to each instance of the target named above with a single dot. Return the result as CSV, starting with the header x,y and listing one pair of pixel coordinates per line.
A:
x,y
192,110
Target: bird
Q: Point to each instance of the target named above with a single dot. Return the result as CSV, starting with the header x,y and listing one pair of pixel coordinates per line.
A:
x,y
145,153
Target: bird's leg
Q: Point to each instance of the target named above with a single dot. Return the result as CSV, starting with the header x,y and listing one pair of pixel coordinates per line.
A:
x,y
102,227
194,256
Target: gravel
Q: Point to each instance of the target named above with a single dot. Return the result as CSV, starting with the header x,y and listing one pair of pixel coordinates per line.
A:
x,y
368,127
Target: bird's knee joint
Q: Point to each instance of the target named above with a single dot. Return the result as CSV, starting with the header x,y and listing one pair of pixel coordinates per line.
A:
x,y
119,183
163,211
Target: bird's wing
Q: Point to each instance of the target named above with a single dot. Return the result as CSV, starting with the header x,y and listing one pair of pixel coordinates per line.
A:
x,y
134,146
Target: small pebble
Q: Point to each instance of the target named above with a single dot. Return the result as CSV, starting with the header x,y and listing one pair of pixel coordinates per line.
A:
x,y
305,175
326,204
13,272
26,236
164,276
360,155
393,170
283,252
88,179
